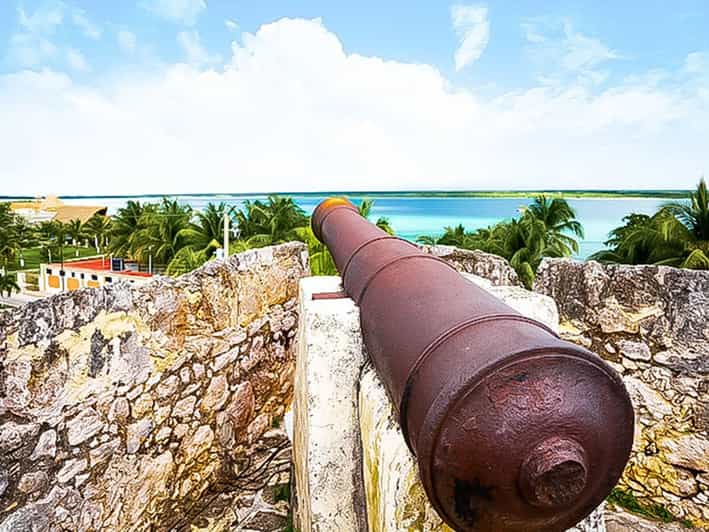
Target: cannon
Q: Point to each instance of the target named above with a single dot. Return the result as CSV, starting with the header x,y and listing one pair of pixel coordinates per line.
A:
x,y
513,428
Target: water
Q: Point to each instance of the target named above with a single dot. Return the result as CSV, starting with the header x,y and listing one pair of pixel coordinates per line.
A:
x,y
414,216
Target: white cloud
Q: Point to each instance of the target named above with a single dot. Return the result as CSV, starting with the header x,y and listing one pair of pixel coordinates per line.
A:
x,y
34,44
195,52
472,27
76,60
231,25
29,50
697,63
559,52
184,11
44,19
293,111
89,28
127,41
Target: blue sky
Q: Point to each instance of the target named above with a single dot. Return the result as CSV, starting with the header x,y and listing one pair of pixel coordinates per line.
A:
x,y
210,95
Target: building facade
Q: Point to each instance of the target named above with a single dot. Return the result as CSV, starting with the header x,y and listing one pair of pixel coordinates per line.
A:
x,y
88,273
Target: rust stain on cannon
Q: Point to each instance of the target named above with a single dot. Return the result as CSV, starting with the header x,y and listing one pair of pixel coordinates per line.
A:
x,y
513,428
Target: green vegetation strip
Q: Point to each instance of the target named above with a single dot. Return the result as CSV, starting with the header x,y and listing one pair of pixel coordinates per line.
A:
x,y
33,257
657,512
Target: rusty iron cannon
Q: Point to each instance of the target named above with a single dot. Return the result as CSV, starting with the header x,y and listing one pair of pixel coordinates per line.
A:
x,y
513,428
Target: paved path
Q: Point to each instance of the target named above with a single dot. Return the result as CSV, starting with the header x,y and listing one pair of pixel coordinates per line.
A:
x,y
18,300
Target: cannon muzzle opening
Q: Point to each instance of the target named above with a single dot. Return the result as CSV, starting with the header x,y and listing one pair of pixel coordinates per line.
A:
x,y
513,428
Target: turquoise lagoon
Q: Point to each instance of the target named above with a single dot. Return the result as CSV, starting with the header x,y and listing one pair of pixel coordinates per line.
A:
x,y
420,215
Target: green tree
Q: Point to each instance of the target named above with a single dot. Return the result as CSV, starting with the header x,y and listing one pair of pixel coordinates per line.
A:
x,y
8,285
695,214
25,232
58,234
7,217
159,232
206,233
124,227
545,228
186,260
9,245
98,228
321,262
676,235
452,236
75,230
365,210
271,222
560,224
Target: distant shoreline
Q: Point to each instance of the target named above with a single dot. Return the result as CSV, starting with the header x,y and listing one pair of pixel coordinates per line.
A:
x,y
571,194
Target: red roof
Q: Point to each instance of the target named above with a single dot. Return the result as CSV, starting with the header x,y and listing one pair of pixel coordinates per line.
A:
x,y
98,265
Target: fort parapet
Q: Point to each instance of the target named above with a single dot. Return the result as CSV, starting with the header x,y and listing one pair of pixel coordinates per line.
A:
x,y
162,406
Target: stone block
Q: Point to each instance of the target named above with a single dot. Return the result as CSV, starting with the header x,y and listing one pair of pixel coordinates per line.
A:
x,y
326,446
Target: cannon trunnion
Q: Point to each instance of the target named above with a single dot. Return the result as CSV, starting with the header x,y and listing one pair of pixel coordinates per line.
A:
x,y
513,428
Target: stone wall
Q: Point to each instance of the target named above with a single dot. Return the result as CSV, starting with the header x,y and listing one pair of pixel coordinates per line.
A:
x,y
652,324
122,408
492,268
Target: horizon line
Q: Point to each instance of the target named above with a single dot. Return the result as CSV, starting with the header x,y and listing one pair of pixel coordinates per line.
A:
x,y
365,192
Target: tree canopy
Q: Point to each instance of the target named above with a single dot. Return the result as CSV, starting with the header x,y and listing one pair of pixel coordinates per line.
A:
x,y
676,235
545,228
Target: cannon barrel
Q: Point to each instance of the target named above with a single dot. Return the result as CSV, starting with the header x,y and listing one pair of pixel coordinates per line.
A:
x,y
513,428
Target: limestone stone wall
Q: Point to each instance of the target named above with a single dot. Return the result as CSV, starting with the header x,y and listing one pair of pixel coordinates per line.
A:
x,y
492,268
652,323
122,408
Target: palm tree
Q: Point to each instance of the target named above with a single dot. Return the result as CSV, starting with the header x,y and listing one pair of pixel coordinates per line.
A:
x,y
383,223
186,260
25,235
676,235
271,222
58,234
207,232
7,217
8,285
321,262
452,236
559,221
25,232
159,232
125,225
74,229
98,227
695,214
544,229
365,207
427,240
9,245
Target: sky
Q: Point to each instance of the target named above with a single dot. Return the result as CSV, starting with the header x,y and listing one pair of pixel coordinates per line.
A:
x,y
216,96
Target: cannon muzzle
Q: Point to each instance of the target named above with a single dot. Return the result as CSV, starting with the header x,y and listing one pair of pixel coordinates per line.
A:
x,y
513,428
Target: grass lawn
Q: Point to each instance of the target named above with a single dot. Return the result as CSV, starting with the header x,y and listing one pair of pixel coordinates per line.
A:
x,y
33,257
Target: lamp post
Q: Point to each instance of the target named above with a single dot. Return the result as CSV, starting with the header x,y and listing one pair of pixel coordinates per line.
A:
x,y
226,235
